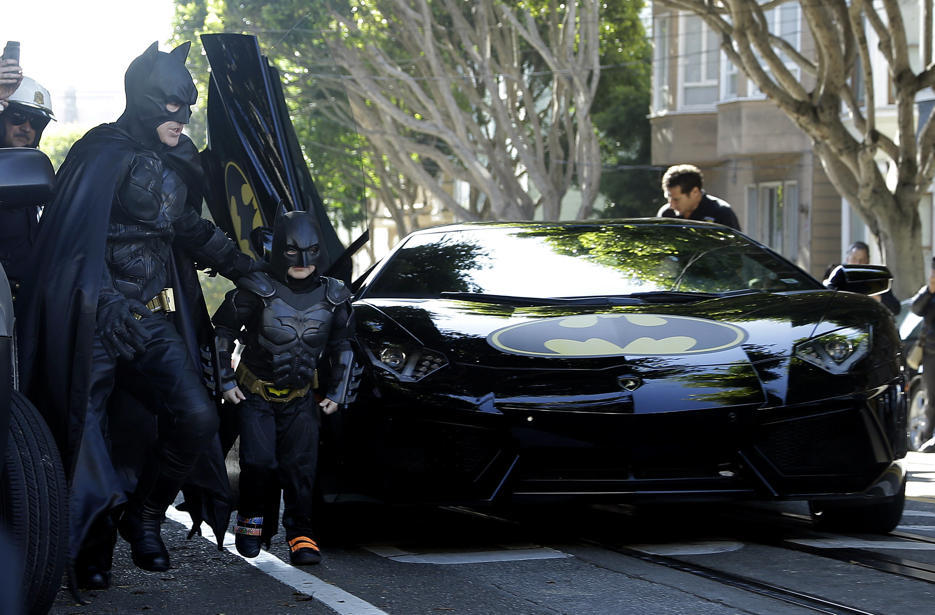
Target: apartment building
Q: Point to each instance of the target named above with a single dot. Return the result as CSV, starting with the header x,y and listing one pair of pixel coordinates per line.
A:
x,y
705,112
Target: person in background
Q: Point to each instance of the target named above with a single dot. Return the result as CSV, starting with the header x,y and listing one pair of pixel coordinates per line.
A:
x,y
682,186
27,112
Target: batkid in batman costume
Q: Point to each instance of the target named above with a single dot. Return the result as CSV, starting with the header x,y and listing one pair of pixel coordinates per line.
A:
x,y
294,319
118,305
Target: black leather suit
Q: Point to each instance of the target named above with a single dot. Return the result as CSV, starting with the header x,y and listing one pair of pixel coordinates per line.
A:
x,y
147,192
149,214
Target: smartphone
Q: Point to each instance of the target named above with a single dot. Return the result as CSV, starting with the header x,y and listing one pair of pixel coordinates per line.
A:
x,y
11,51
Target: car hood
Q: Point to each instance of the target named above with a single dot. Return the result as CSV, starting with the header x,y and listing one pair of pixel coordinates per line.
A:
x,y
720,351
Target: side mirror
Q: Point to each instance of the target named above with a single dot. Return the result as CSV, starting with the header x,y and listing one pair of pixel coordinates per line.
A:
x,y
261,241
864,279
26,177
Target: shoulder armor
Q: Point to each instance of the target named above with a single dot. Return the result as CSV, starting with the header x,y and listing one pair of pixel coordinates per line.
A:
x,y
257,282
335,290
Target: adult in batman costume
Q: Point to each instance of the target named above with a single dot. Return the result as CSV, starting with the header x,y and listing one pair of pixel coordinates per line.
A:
x,y
117,306
294,319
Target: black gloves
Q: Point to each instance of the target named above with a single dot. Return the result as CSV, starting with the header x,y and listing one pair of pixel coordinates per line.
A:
x,y
122,334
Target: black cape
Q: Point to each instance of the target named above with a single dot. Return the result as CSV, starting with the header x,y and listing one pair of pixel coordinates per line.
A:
x,y
58,324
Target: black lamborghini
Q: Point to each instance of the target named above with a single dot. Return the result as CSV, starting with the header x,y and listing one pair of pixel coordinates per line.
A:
x,y
625,360
635,359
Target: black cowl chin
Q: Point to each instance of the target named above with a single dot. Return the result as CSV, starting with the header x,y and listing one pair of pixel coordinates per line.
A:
x,y
296,243
153,80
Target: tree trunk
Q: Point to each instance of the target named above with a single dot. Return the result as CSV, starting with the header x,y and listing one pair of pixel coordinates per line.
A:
x,y
881,170
899,242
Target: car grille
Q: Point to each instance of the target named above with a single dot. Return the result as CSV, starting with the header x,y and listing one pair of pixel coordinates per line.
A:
x,y
831,443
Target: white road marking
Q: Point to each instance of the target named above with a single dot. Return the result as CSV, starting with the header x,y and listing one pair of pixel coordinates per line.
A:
x,y
507,554
917,513
857,543
330,595
920,489
915,528
704,547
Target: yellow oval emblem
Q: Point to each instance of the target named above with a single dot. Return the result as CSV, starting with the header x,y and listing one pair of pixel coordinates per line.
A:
x,y
607,335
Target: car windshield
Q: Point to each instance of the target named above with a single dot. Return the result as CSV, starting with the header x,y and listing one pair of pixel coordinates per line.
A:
x,y
584,261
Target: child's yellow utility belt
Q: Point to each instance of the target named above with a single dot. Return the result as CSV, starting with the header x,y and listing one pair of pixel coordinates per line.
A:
x,y
266,389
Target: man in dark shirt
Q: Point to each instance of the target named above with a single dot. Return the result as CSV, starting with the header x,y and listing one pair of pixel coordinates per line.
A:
x,y
682,186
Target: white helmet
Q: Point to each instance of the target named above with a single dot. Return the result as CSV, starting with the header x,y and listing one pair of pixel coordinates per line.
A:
x,y
32,95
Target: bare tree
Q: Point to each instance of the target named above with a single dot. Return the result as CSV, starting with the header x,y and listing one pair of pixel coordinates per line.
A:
x,y
478,92
831,97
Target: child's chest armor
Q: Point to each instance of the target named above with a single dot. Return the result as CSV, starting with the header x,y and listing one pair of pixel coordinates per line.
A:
x,y
291,321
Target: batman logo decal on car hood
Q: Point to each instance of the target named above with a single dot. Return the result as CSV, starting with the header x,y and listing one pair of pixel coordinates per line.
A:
x,y
604,335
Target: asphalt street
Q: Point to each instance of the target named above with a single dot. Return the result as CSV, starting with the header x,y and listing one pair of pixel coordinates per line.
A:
x,y
677,559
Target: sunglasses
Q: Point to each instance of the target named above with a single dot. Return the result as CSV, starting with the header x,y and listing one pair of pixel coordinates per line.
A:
x,y
18,118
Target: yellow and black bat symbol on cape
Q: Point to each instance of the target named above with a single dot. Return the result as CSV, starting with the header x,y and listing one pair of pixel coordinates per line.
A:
x,y
606,335
242,202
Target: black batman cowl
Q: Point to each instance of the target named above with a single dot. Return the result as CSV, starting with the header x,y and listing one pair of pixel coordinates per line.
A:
x,y
153,80
296,243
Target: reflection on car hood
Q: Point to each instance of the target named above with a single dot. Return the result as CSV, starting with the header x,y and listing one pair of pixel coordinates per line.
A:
x,y
712,332
733,350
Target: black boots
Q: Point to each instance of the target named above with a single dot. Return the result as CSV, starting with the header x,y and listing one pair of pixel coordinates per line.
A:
x,y
141,528
248,535
94,561
140,524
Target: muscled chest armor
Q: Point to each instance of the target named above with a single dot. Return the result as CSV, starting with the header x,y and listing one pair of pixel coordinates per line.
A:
x,y
140,231
289,335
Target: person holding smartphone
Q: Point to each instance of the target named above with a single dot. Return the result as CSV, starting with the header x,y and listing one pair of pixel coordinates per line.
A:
x,y
26,111
11,74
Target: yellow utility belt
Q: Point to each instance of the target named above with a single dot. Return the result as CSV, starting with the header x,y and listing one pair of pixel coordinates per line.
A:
x,y
266,389
163,302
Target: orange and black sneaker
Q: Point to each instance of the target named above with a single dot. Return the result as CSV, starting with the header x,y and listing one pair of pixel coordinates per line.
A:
x,y
303,551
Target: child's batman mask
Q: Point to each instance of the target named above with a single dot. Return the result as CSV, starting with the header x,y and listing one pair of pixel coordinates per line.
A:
x,y
295,243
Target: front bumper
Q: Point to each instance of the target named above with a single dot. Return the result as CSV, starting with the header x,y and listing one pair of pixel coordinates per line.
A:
x,y
841,447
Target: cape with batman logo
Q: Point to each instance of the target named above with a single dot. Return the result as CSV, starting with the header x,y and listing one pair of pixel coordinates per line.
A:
x,y
59,319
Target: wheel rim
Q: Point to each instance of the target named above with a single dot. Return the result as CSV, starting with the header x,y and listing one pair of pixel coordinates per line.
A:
x,y
919,422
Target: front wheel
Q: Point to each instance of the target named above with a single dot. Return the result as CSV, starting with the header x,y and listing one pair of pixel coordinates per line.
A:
x,y
920,417
33,503
875,517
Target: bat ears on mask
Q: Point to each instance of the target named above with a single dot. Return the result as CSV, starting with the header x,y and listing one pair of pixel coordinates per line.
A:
x,y
180,53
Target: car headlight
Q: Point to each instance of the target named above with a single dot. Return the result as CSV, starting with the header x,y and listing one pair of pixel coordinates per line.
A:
x,y
836,351
405,362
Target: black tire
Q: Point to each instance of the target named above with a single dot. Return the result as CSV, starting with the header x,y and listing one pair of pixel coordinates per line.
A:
x,y
921,421
875,517
33,504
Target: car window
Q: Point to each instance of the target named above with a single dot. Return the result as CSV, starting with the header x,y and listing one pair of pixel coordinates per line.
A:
x,y
583,261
